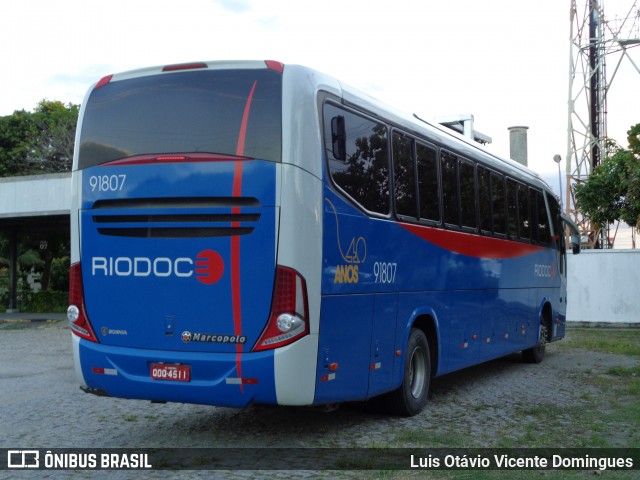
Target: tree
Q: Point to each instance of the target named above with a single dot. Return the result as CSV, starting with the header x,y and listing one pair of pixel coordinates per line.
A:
x,y
631,178
52,147
612,191
40,141
16,130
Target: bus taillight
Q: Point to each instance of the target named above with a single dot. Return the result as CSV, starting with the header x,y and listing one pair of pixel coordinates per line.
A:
x,y
289,318
103,81
184,66
275,65
76,313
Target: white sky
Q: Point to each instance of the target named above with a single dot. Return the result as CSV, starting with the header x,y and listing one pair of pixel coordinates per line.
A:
x,y
504,61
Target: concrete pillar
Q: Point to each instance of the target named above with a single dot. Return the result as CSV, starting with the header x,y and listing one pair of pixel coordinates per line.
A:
x,y
518,144
13,271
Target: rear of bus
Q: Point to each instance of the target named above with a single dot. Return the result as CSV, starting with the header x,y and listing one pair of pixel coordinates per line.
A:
x,y
176,294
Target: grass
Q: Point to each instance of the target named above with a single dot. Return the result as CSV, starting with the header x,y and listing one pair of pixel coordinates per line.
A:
x,y
607,414
625,372
14,326
603,414
506,475
618,341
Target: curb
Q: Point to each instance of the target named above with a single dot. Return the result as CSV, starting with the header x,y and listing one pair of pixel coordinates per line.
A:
x,y
612,325
30,320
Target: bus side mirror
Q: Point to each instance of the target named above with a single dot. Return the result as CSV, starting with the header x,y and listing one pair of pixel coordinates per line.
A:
x,y
575,244
339,138
574,232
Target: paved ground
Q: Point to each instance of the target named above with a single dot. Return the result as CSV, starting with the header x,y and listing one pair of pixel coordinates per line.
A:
x,y
42,406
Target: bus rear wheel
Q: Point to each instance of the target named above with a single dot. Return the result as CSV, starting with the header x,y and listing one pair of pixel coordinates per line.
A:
x,y
536,354
411,397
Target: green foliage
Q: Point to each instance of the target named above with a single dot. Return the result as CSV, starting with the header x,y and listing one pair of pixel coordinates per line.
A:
x,y
40,141
60,274
620,342
16,130
56,130
50,264
631,179
30,259
601,197
612,191
44,301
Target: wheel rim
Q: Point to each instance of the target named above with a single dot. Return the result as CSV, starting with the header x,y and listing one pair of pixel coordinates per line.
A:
x,y
417,372
542,341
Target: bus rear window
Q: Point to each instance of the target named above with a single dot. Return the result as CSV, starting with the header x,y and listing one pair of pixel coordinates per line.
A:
x,y
183,112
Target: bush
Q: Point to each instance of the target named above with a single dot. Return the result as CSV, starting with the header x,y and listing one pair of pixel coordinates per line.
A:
x,y
60,274
45,301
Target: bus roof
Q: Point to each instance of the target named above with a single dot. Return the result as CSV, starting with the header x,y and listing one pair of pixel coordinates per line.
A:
x,y
445,137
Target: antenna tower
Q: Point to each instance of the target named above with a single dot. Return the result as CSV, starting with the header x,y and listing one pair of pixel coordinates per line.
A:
x,y
593,39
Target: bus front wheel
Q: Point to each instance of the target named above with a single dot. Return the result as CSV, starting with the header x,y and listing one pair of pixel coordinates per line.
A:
x,y
411,397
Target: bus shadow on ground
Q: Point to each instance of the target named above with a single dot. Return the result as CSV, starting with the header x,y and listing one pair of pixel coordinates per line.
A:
x,y
343,425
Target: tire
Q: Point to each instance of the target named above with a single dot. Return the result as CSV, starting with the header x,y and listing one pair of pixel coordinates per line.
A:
x,y
536,354
411,397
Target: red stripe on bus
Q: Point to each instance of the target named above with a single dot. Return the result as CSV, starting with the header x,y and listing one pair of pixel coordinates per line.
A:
x,y
472,245
235,300
245,120
235,240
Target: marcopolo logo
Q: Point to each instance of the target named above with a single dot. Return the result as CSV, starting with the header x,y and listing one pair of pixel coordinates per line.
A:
x,y
188,337
207,267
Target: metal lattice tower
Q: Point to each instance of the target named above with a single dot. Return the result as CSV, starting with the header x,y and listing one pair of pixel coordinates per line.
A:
x,y
593,39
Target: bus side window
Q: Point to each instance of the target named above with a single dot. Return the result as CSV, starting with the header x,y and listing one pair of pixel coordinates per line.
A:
x,y
484,194
428,183
338,138
363,172
498,200
524,214
558,232
544,232
512,209
450,200
533,202
404,176
558,227
467,195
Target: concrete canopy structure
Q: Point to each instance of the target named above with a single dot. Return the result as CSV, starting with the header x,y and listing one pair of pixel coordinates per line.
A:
x,y
37,206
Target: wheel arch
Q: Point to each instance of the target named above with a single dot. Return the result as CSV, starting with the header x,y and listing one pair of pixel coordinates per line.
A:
x,y
545,317
427,321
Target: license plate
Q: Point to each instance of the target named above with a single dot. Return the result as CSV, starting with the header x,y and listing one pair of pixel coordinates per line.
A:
x,y
170,372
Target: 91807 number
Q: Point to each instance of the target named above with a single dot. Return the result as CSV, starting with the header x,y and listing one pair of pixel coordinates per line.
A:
x,y
385,272
107,183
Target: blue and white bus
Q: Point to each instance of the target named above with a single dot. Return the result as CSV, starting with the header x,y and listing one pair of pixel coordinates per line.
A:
x,y
253,232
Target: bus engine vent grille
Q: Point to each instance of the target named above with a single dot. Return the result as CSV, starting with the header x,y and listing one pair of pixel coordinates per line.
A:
x,y
176,217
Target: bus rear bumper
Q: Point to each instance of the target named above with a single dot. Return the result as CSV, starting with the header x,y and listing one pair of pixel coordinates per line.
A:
x,y
221,379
